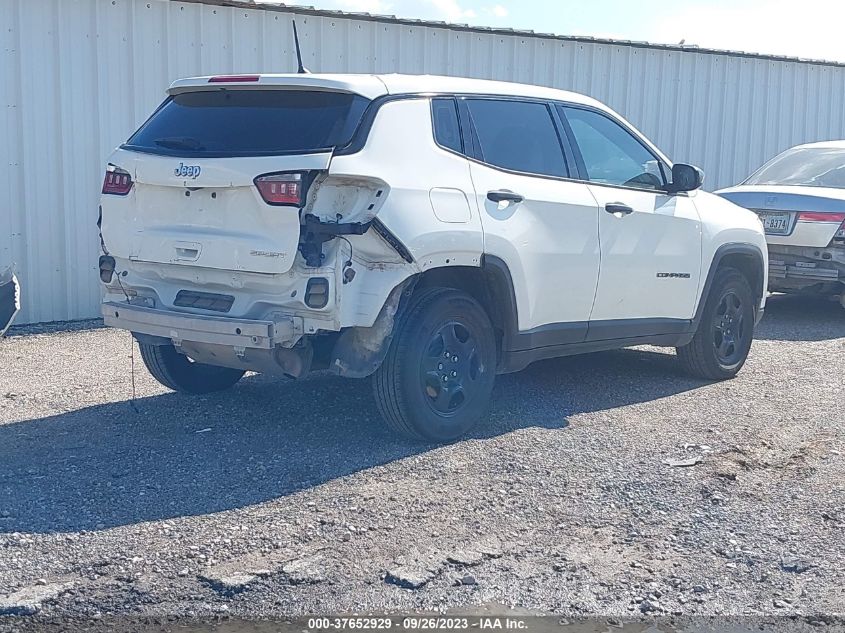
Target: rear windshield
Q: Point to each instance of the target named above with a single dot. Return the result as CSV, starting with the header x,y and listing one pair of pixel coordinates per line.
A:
x,y
250,123
808,166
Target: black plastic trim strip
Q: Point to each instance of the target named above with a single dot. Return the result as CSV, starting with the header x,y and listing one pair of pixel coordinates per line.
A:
x,y
731,248
613,329
517,360
379,227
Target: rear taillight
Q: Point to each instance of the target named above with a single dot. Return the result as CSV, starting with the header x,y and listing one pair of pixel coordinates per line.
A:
x,y
814,216
117,182
281,189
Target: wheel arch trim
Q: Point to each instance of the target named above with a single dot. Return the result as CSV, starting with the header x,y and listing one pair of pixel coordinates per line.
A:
x,y
741,249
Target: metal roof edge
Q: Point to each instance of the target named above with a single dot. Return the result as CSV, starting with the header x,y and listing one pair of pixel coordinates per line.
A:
x,y
392,19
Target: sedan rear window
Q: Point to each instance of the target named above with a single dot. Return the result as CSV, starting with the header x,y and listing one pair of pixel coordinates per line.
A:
x,y
807,166
250,123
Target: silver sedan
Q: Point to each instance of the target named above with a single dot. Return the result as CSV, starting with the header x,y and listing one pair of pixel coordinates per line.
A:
x,y
800,198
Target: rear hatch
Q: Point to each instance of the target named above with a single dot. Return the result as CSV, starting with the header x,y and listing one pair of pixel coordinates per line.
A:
x,y
217,176
794,215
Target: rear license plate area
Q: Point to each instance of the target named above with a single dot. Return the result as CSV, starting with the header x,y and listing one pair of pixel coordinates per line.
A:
x,y
775,223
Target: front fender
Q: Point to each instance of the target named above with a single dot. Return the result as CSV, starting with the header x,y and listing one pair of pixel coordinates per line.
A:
x,y
729,229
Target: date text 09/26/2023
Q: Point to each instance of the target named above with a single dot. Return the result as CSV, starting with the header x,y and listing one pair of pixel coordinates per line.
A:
x,y
415,623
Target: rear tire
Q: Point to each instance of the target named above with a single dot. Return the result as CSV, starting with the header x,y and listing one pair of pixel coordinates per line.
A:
x,y
437,379
723,339
178,372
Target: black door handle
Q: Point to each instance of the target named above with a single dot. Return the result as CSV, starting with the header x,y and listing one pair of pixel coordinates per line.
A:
x,y
618,207
502,195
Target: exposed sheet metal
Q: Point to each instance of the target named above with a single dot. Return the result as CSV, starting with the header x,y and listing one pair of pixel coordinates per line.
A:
x,y
78,76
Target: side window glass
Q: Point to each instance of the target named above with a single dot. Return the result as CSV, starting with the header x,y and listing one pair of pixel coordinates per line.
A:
x,y
517,135
612,155
447,130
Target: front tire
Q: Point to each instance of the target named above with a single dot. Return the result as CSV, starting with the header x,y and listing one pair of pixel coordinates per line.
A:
x,y
723,339
437,379
178,372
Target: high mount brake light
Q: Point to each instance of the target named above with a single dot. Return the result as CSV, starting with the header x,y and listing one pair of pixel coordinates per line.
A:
x,y
281,189
812,216
233,79
117,182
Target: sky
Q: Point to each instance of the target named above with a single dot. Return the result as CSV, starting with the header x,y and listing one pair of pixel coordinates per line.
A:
x,y
812,29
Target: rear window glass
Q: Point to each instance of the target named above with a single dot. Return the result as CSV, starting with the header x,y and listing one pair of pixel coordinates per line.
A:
x,y
250,123
808,166
447,130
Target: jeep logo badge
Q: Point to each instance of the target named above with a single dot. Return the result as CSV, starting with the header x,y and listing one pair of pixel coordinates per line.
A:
x,y
187,171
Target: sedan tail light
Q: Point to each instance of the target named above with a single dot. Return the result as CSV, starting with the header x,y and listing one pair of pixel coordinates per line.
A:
x,y
814,216
281,189
117,182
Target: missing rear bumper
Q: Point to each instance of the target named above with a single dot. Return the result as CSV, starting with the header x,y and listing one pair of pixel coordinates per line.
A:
x,y
797,268
239,334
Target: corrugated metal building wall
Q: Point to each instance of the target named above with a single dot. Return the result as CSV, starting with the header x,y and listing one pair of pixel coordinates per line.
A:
x,y
78,76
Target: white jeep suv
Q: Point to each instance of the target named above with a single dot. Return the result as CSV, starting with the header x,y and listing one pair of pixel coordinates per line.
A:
x,y
432,231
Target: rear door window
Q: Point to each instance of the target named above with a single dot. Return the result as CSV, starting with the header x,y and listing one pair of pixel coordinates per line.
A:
x,y
250,123
517,135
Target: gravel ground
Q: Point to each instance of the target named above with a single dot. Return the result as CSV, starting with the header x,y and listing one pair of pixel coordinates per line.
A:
x,y
290,498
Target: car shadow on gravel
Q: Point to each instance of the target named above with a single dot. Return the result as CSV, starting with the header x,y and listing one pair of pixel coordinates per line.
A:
x,y
173,455
801,318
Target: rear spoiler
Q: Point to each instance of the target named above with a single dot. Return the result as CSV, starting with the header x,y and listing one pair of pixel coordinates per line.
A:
x,y
368,86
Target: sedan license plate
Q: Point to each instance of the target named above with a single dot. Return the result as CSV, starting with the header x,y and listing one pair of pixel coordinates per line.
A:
x,y
775,223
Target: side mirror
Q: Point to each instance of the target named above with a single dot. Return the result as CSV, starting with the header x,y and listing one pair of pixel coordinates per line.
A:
x,y
685,178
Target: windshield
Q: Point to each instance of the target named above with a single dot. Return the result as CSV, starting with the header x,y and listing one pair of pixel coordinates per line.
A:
x,y
250,123
808,166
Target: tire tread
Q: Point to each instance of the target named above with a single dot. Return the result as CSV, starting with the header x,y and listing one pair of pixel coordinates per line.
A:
x,y
156,365
172,370
697,357
386,381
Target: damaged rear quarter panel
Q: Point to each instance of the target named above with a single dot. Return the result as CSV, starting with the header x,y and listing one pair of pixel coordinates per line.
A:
x,y
395,172
401,152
